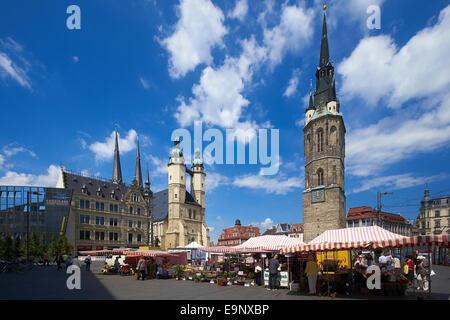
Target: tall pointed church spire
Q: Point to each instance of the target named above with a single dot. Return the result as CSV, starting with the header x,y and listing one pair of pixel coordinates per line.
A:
x,y
138,172
325,88
324,52
147,180
117,170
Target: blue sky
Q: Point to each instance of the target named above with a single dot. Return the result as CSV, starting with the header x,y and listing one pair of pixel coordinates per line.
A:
x,y
154,66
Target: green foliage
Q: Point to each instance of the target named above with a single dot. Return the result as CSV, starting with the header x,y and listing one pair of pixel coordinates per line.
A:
x,y
251,275
43,245
53,249
35,246
18,250
178,271
232,274
7,250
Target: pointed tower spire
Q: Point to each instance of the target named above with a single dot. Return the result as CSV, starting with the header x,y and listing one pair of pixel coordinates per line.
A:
x,y
138,172
325,88
147,180
324,52
117,170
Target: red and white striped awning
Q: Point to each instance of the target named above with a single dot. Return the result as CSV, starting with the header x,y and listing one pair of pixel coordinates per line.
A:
x,y
365,237
149,253
102,252
268,243
218,249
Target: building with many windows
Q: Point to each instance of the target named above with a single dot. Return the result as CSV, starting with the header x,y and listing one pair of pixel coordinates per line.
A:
x,y
434,216
44,210
237,235
367,216
109,214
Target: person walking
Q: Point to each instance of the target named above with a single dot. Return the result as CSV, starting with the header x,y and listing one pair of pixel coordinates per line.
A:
x,y
274,264
312,270
116,265
46,262
423,273
142,268
69,261
410,263
88,261
59,261
258,271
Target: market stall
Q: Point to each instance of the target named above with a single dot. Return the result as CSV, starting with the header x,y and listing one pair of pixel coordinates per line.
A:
x,y
364,238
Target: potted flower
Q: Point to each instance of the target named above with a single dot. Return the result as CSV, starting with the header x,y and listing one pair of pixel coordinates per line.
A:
x,y
178,271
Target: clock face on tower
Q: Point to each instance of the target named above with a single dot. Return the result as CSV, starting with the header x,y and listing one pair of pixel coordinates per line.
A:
x,y
318,195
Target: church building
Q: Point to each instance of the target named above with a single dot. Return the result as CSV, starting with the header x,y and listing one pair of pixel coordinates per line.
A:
x,y
324,149
106,214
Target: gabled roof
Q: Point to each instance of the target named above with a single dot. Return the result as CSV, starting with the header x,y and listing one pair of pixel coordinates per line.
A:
x,y
76,182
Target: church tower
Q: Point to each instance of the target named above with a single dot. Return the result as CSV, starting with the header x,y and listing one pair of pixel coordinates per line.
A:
x,y
177,197
324,149
198,181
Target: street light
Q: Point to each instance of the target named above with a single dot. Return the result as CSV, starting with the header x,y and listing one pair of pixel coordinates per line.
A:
x,y
379,206
29,193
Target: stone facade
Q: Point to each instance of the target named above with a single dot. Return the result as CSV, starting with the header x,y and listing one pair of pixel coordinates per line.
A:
x,y
108,214
324,202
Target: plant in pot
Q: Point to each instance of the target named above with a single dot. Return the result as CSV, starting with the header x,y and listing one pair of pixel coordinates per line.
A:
x,y
178,271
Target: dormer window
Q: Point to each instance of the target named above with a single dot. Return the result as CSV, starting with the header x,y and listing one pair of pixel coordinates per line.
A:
x,y
84,189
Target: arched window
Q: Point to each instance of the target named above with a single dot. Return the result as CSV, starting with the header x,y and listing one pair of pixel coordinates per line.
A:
x,y
333,136
131,210
320,177
320,140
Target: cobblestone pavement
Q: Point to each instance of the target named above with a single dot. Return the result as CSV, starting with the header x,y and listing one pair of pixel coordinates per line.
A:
x,y
47,283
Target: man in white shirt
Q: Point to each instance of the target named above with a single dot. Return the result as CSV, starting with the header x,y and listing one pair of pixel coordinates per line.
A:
x,y
382,261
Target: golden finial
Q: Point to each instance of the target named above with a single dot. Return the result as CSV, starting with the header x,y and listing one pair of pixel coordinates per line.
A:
x,y
324,7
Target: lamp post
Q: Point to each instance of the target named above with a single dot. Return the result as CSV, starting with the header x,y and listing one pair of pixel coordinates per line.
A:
x,y
379,206
29,193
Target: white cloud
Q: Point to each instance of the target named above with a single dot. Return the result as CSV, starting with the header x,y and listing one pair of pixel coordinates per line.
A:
x,y
10,151
219,218
349,11
218,97
275,185
240,10
266,224
2,161
420,126
401,181
393,139
9,68
293,33
105,150
377,69
160,166
293,83
75,59
145,84
22,179
214,180
199,29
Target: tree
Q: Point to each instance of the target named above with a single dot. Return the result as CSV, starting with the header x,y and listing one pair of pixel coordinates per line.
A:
x,y
18,250
43,244
53,249
65,246
35,246
7,252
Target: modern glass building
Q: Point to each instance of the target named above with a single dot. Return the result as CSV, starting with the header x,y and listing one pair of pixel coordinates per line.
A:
x,y
44,210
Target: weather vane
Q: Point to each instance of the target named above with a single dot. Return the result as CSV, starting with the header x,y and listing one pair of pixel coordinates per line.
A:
x,y
324,7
